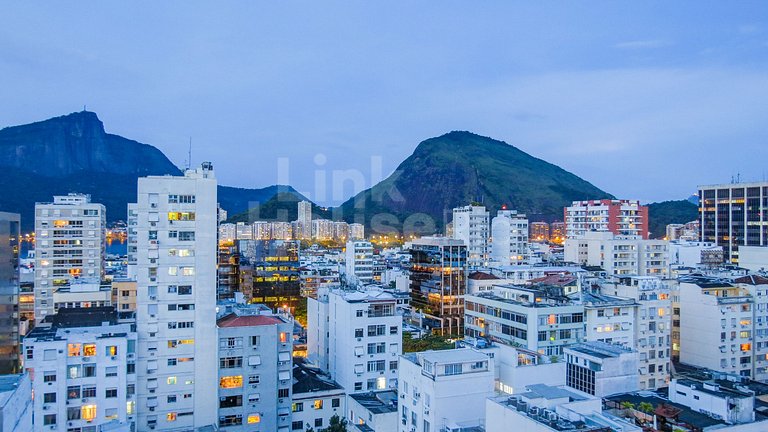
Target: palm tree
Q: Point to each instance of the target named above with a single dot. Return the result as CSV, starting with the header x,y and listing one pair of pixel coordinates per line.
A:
x,y
645,407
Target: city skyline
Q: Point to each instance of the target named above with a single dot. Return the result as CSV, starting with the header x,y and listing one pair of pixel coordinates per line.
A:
x,y
561,83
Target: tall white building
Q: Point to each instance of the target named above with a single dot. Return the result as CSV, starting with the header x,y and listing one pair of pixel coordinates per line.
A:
x,y
255,361
357,337
619,255
444,390
470,224
304,221
84,373
359,262
356,231
653,326
509,234
175,269
70,240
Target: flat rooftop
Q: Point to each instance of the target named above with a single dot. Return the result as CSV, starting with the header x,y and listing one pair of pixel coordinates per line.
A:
x,y
460,355
600,350
380,402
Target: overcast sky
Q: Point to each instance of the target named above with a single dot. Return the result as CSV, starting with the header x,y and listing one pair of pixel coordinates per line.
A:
x,y
644,99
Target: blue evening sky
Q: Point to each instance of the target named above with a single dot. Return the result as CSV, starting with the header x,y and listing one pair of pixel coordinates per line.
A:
x,y
644,99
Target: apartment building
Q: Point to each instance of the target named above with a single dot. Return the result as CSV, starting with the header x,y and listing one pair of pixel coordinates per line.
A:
x,y
16,403
471,225
255,352
509,231
357,337
438,282
619,255
358,262
621,217
653,328
70,241
316,397
9,293
733,215
174,263
608,318
601,369
539,318
83,367
442,390
269,272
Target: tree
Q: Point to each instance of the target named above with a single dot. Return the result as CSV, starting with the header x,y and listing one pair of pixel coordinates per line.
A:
x,y
645,407
428,342
336,424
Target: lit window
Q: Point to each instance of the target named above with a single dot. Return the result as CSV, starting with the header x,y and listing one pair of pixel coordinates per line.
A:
x,y
112,350
552,319
317,404
88,412
89,350
254,418
171,416
130,406
74,350
661,312
171,380
746,346
283,337
228,382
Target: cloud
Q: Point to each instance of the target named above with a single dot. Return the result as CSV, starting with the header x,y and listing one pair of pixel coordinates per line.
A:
x,y
643,44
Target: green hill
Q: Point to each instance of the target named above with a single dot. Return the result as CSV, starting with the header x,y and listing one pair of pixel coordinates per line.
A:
x,y
664,213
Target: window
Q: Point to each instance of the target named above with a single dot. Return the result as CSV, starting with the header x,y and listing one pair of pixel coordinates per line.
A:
x,y
89,350
283,337
111,393
73,413
318,422
230,362
89,392
283,392
230,401
171,399
185,289
88,412
254,418
73,392
358,333
358,385
297,407
228,382
453,369
171,380
49,398
359,313
231,342
377,348
49,376
171,416
111,371
49,419
186,236
74,350
376,366
335,402
377,330
112,350
255,340
393,330
297,425
171,362
317,404
253,379
74,372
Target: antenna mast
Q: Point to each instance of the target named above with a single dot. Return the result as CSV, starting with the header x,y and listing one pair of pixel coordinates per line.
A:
x,y
189,154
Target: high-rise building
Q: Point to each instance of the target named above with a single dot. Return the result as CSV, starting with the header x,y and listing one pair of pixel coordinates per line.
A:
x,y
70,241
356,231
557,232
621,217
254,367
322,229
9,293
83,369
734,215
304,221
270,272
356,336
539,232
438,282
228,269
471,225
175,221
509,232
359,262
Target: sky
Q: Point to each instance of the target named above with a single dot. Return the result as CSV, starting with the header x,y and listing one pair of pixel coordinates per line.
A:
x,y
646,100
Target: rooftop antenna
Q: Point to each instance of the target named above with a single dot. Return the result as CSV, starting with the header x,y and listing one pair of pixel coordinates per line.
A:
x,y
738,177
189,154
84,108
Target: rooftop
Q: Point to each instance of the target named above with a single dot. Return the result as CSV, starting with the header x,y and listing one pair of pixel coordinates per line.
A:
x,y
599,349
459,355
233,320
307,379
380,402
478,275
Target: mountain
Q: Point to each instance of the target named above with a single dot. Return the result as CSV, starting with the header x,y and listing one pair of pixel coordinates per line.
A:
x,y
461,167
73,153
283,206
664,213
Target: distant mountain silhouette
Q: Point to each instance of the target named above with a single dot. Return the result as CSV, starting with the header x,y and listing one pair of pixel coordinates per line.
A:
x,y
73,153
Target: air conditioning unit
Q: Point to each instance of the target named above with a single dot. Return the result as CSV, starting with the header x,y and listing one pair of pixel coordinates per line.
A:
x,y
114,357
45,407
84,400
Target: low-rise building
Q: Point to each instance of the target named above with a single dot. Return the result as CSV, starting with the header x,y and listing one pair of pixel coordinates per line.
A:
x,y
600,369
444,389
373,411
316,397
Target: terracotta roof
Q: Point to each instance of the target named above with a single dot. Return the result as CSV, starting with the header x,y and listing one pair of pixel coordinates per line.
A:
x,y
752,280
233,320
556,279
478,275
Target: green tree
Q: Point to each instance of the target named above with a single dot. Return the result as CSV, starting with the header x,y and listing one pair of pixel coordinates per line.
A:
x,y
645,407
428,342
336,424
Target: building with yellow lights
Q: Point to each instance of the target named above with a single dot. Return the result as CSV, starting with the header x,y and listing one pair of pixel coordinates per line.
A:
x,y
83,368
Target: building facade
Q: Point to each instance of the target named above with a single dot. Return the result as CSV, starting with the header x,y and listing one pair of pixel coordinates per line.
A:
x,y
9,293
70,241
359,262
509,244
471,225
175,221
271,269
438,282
621,217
